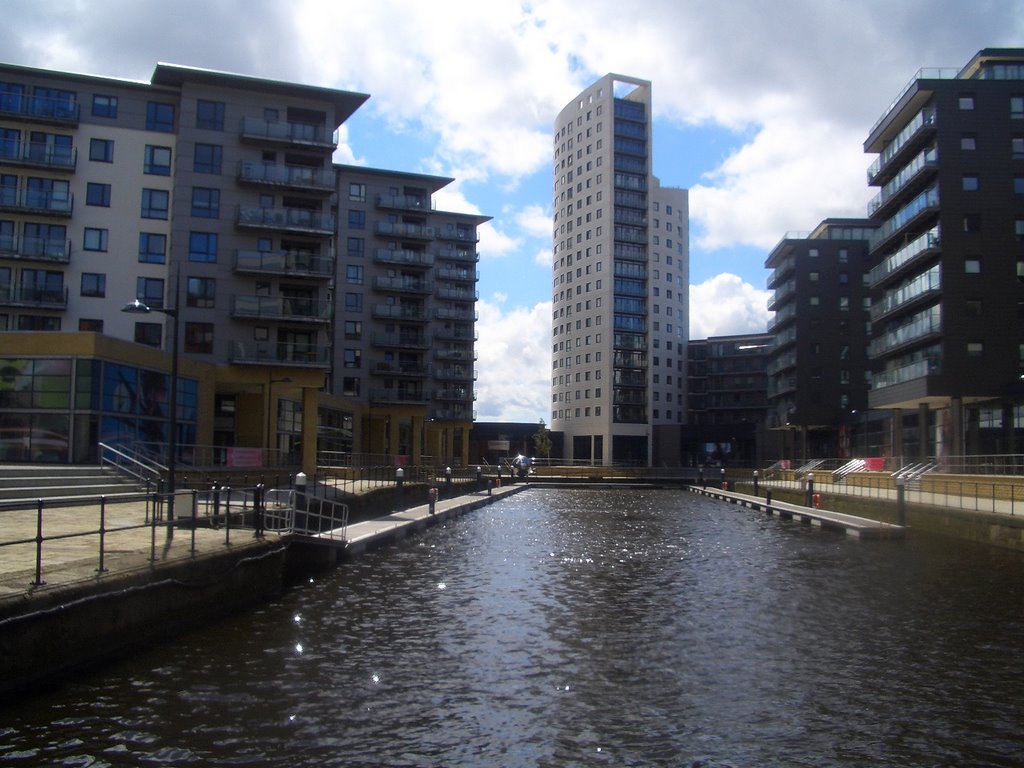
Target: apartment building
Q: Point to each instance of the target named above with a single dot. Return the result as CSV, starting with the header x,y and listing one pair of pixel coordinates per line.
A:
x,y
212,199
728,400
620,287
818,368
948,258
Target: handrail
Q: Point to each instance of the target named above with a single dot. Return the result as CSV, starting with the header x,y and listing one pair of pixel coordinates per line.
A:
x,y
144,472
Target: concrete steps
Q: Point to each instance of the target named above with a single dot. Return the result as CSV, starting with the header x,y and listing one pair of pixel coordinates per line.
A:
x,y
25,482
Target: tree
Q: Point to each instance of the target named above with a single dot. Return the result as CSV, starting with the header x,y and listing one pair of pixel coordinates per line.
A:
x,y
542,440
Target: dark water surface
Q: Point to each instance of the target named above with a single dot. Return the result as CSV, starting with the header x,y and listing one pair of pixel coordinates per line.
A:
x,y
583,628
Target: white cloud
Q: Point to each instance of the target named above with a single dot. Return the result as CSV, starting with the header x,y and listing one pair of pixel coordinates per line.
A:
x,y
725,305
514,363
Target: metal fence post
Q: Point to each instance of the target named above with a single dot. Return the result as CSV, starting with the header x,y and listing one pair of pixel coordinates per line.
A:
x,y
103,532
195,509
39,544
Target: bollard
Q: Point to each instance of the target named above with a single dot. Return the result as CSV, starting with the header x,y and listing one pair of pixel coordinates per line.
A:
x,y
399,478
808,496
755,482
700,476
488,489
257,512
768,500
447,481
433,499
479,478
300,491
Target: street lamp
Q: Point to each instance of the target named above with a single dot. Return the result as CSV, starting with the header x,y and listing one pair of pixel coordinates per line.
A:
x,y
140,307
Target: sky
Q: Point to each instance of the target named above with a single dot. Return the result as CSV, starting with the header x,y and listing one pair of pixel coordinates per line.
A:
x,y
760,107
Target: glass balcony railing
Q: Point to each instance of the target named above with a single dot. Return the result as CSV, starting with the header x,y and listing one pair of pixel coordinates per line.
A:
x,y
919,327
35,249
294,176
292,309
403,257
299,134
924,120
927,200
920,285
928,160
39,155
916,248
918,370
288,354
286,220
284,263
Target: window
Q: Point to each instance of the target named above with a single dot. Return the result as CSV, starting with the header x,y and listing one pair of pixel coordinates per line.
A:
x,y
152,248
202,247
205,203
813,277
101,150
354,274
357,192
200,292
1018,228
157,161
89,325
1017,107
350,386
1018,185
353,329
94,284
973,307
972,266
97,194
160,117
968,143
95,239
969,183
207,158
966,103
210,115
972,222
353,302
148,333
975,348
1017,147
356,247
150,291
199,338
155,203
353,358
356,219
104,106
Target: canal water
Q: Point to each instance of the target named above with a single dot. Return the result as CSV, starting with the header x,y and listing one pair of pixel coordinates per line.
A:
x,y
582,628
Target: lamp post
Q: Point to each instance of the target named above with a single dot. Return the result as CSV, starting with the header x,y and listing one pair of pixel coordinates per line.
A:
x,y
140,307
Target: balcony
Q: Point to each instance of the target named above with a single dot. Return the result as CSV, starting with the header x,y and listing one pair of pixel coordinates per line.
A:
x,y
455,293
783,293
921,369
39,109
456,275
403,257
455,373
914,252
781,363
35,249
400,313
466,335
291,263
284,354
298,220
782,317
38,155
921,207
282,309
921,327
455,313
464,234
455,355
301,135
924,286
401,369
403,285
32,297
401,340
922,125
398,396
921,167
455,394
453,414
404,202
467,255
402,229
296,177
22,200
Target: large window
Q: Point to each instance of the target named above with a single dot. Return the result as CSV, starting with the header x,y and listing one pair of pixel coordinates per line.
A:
x,y
150,291
94,284
207,158
160,117
210,115
201,292
202,247
205,203
95,239
97,194
155,204
101,150
157,161
152,248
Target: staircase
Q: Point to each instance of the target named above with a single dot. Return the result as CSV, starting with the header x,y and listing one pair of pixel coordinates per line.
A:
x,y
28,482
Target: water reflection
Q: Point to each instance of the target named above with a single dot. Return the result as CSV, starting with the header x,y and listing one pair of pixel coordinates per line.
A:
x,y
578,628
